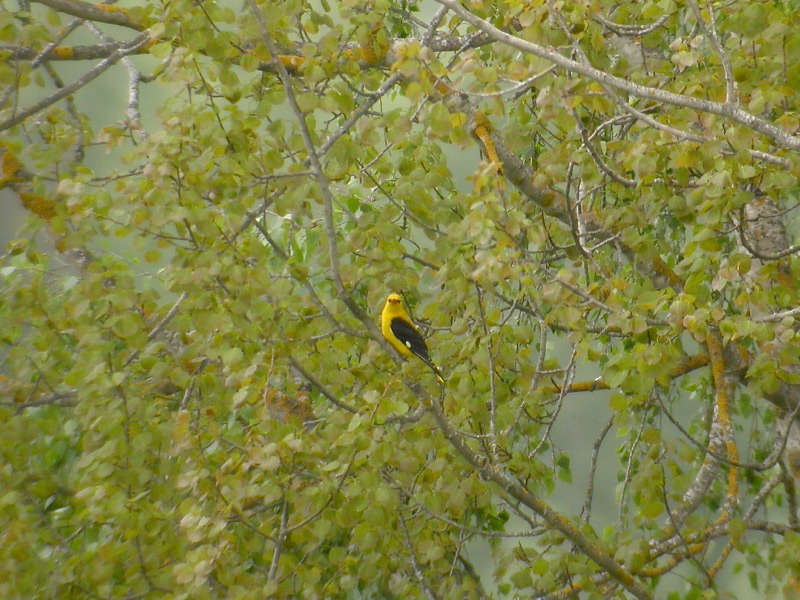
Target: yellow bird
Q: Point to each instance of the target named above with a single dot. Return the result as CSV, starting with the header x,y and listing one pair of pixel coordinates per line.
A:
x,y
400,332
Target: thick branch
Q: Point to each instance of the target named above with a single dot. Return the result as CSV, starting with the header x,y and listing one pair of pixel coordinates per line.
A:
x,y
94,52
687,366
100,13
714,345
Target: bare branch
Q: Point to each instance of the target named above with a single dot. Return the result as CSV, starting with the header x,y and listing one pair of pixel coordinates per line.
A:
x,y
77,124
791,495
702,481
536,375
58,399
761,496
461,527
629,468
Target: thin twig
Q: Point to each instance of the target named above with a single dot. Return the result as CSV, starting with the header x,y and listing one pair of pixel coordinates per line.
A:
x,y
631,30
321,388
492,384
159,327
586,510
359,112
711,34
519,88
791,495
276,553
746,243
569,375
44,54
414,563
599,160
629,468
536,375
778,316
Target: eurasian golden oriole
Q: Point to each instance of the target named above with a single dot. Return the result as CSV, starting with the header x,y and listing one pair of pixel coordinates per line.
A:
x,y
400,332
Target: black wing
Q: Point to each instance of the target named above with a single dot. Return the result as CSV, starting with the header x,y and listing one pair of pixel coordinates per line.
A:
x,y
407,334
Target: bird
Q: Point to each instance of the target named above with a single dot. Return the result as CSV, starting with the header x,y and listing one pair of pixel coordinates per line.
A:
x,y
400,332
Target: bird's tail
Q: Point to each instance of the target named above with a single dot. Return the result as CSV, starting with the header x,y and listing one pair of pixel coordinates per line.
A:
x,y
436,370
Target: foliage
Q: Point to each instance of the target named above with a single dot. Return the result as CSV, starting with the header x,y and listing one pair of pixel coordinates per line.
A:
x,y
196,400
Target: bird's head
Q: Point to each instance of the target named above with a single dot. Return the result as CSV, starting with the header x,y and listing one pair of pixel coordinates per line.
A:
x,y
394,299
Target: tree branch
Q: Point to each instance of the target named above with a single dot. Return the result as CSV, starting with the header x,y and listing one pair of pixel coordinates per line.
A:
x,y
135,44
101,13
66,53
319,173
640,91
596,553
